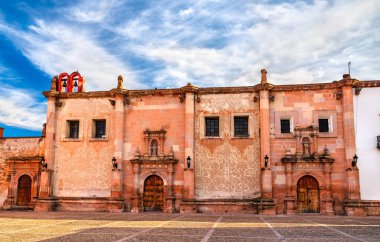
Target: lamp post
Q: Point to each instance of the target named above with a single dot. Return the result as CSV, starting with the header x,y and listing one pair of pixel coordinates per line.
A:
x,y
354,160
188,159
266,158
114,163
43,163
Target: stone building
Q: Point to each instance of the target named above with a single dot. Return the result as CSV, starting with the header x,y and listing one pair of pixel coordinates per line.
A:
x,y
269,149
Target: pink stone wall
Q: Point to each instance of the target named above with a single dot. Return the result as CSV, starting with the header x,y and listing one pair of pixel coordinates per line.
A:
x,y
153,113
15,147
83,166
304,107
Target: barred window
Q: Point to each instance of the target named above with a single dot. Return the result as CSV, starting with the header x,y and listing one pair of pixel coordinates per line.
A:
x,y
285,126
323,124
100,128
73,129
241,126
212,126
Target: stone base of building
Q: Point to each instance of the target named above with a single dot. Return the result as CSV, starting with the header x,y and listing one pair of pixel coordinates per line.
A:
x,y
256,206
98,204
362,207
46,204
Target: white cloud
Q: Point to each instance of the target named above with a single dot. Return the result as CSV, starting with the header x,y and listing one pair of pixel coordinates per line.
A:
x,y
186,12
56,48
21,109
90,11
227,44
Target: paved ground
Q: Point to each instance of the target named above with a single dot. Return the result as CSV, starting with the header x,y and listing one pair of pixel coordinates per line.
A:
x,y
80,226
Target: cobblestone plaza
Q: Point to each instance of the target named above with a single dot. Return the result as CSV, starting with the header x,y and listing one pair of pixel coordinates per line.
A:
x,y
86,226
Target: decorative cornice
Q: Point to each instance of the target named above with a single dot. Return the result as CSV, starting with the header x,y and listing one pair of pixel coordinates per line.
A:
x,y
24,158
215,90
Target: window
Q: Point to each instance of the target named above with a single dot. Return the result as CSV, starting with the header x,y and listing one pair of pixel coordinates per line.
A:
x,y
73,126
241,126
100,128
285,126
323,125
212,126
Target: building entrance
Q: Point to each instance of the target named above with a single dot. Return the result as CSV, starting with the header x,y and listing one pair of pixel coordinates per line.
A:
x,y
153,194
308,195
24,190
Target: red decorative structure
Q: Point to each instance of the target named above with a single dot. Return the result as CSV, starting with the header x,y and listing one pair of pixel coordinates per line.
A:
x,y
70,83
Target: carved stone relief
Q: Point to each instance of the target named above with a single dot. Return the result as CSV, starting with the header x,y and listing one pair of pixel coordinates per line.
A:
x,y
230,170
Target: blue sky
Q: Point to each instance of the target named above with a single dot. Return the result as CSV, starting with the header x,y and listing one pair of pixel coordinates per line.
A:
x,y
165,43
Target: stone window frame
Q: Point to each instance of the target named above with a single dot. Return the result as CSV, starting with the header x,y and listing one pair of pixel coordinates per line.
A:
x,y
331,115
92,129
66,129
202,125
250,125
292,116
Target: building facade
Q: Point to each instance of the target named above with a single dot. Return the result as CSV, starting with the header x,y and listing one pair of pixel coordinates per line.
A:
x,y
269,149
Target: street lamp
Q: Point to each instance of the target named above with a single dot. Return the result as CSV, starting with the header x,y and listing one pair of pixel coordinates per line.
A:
x,y
43,163
354,160
266,158
188,159
114,163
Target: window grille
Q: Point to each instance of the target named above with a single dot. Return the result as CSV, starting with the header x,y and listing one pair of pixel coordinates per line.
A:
x,y
241,126
212,126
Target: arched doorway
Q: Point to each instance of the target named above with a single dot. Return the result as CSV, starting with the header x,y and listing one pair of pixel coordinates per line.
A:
x,y
307,195
24,190
153,194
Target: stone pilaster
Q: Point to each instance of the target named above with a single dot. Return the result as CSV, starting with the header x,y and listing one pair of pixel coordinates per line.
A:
x,y
50,140
46,200
118,132
189,141
349,136
266,177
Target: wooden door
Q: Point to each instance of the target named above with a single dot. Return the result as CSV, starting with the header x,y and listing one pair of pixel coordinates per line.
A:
x,y
24,188
153,194
308,195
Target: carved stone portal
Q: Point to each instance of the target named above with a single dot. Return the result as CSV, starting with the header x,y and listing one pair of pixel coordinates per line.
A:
x,y
153,163
306,162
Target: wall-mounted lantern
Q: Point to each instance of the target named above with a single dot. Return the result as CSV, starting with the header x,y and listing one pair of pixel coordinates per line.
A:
x,y
378,141
188,159
114,163
43,163
354,160
266,158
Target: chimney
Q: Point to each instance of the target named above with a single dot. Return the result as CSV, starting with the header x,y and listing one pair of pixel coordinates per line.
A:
x,y
1,132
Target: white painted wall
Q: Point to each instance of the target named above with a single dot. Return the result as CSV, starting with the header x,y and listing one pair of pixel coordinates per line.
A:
x,y
367,117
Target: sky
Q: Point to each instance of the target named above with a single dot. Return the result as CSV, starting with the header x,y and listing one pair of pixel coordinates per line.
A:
x,y
166,44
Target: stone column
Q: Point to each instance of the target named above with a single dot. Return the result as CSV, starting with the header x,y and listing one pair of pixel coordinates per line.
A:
x,y
135,194
349,136
289,198
266,178
189,179
169,196
118,133
327,199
